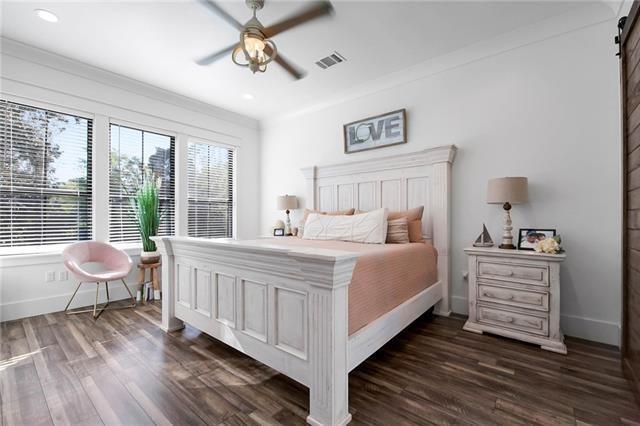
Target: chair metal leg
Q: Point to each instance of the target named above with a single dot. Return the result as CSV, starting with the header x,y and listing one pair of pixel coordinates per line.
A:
x,y
72,296
133,299
97,311
95,304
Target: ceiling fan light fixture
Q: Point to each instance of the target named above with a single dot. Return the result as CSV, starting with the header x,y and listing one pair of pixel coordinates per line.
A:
x,y
253,45
254,51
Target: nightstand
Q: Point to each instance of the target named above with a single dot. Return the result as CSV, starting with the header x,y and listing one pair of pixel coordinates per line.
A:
x,y
516,294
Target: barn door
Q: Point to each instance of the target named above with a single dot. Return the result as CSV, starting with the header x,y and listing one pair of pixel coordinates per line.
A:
x,y
630,84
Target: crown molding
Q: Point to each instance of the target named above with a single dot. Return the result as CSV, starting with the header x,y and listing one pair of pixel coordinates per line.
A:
x,y
29,53
590,15
426,157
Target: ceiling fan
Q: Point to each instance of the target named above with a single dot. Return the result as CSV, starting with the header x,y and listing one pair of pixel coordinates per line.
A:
x,y
256,49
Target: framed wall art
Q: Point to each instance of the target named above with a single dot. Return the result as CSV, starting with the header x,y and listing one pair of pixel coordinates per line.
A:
x,y
375,132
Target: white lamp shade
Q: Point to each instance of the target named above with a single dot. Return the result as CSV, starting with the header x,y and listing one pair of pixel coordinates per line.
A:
x,y
513,190
287,202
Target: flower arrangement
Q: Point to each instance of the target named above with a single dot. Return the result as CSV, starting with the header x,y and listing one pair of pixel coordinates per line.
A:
x,y
549,245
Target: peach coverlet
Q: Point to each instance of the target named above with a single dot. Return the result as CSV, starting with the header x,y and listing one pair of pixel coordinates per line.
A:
x,y
384,277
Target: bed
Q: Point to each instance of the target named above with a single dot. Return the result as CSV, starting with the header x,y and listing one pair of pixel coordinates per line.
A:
x,y
290,304
374,290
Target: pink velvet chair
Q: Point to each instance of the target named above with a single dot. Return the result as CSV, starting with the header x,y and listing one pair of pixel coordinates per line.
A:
x,y
108,264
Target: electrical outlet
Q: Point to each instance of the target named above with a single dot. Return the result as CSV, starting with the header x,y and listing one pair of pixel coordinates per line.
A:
x,y
63,275
50,276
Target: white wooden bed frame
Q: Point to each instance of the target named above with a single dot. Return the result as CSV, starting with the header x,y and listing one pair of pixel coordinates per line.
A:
x,y
288,307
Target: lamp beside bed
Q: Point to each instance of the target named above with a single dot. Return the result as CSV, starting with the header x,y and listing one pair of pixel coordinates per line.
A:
x,y
286,203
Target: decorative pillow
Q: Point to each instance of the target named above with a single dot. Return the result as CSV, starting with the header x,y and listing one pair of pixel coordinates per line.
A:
x,y
414,222
398,231
363,228
346,212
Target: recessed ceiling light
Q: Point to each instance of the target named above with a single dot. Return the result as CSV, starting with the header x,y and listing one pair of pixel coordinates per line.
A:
x,y
248,96
45,15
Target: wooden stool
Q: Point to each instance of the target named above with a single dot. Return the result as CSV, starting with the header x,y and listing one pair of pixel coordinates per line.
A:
x,y
153,277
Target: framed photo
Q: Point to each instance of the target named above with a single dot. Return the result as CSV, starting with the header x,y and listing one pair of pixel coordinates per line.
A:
x,y
528,237
375,132
278,232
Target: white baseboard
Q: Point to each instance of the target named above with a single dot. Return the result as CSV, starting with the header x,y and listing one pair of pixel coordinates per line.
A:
x,y
572,325
459,305
591,329
45,305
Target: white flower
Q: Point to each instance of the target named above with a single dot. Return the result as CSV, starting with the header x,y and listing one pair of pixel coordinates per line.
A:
x,y
548,245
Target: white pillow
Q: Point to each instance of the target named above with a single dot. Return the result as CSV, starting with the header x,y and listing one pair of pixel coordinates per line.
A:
x,y
368,227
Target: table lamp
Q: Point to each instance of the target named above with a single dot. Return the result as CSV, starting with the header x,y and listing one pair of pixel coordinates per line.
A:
x,y
287,202
507,191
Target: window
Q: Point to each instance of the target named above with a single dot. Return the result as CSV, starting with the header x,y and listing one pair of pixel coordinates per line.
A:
x,y
210,191
135,156
45,176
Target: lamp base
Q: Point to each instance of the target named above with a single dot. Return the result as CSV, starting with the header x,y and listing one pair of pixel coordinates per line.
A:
x,y
507,238
287,225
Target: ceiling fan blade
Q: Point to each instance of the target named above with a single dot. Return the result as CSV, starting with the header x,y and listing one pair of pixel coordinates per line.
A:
x,y
213,7
314,11
215,56
294,71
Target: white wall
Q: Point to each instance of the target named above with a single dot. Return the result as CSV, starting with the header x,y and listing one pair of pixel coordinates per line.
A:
x,y
40,78
542,103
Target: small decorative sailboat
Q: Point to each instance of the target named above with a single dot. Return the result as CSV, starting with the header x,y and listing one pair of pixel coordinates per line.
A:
x,y
484,239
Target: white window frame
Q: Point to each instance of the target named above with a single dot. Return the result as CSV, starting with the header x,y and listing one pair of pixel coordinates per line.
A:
x,y
107,165
56,248
184,192
102,118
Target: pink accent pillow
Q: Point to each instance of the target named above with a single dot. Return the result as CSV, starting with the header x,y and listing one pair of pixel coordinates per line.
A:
x,y
414,222
347,212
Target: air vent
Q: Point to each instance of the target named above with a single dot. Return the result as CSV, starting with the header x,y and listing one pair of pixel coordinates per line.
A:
x,y
331,60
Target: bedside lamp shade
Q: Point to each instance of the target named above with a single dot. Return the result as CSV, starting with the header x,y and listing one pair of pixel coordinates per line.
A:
x,y
507,191
287,202
511,190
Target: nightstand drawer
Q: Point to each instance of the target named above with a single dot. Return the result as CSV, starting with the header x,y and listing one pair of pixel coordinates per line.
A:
x,y
513,320
526,274
513,297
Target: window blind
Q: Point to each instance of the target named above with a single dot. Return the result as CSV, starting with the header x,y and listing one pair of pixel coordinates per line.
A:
x,y
210,191
136,155
45,176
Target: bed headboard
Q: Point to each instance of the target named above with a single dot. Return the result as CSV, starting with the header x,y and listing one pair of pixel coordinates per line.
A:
x,y
396,182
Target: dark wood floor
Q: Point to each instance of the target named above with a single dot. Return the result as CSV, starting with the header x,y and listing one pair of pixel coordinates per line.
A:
x,y
124,369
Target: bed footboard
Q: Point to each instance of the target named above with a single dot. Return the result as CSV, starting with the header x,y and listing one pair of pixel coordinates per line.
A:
x,y
285,308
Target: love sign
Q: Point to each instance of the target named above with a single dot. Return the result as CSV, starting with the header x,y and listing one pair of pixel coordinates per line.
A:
x,y
375,132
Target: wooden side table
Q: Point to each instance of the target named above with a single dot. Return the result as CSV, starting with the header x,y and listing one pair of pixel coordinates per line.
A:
x,y
153,278
516,293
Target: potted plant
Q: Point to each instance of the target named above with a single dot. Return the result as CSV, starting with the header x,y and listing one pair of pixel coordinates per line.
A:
x,y
146,205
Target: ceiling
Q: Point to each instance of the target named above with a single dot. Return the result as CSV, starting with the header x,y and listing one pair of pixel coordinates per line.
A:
x,y
157,42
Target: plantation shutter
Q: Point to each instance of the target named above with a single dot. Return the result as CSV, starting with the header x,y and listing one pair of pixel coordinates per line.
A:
x,y
210,191
45,176
136,155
